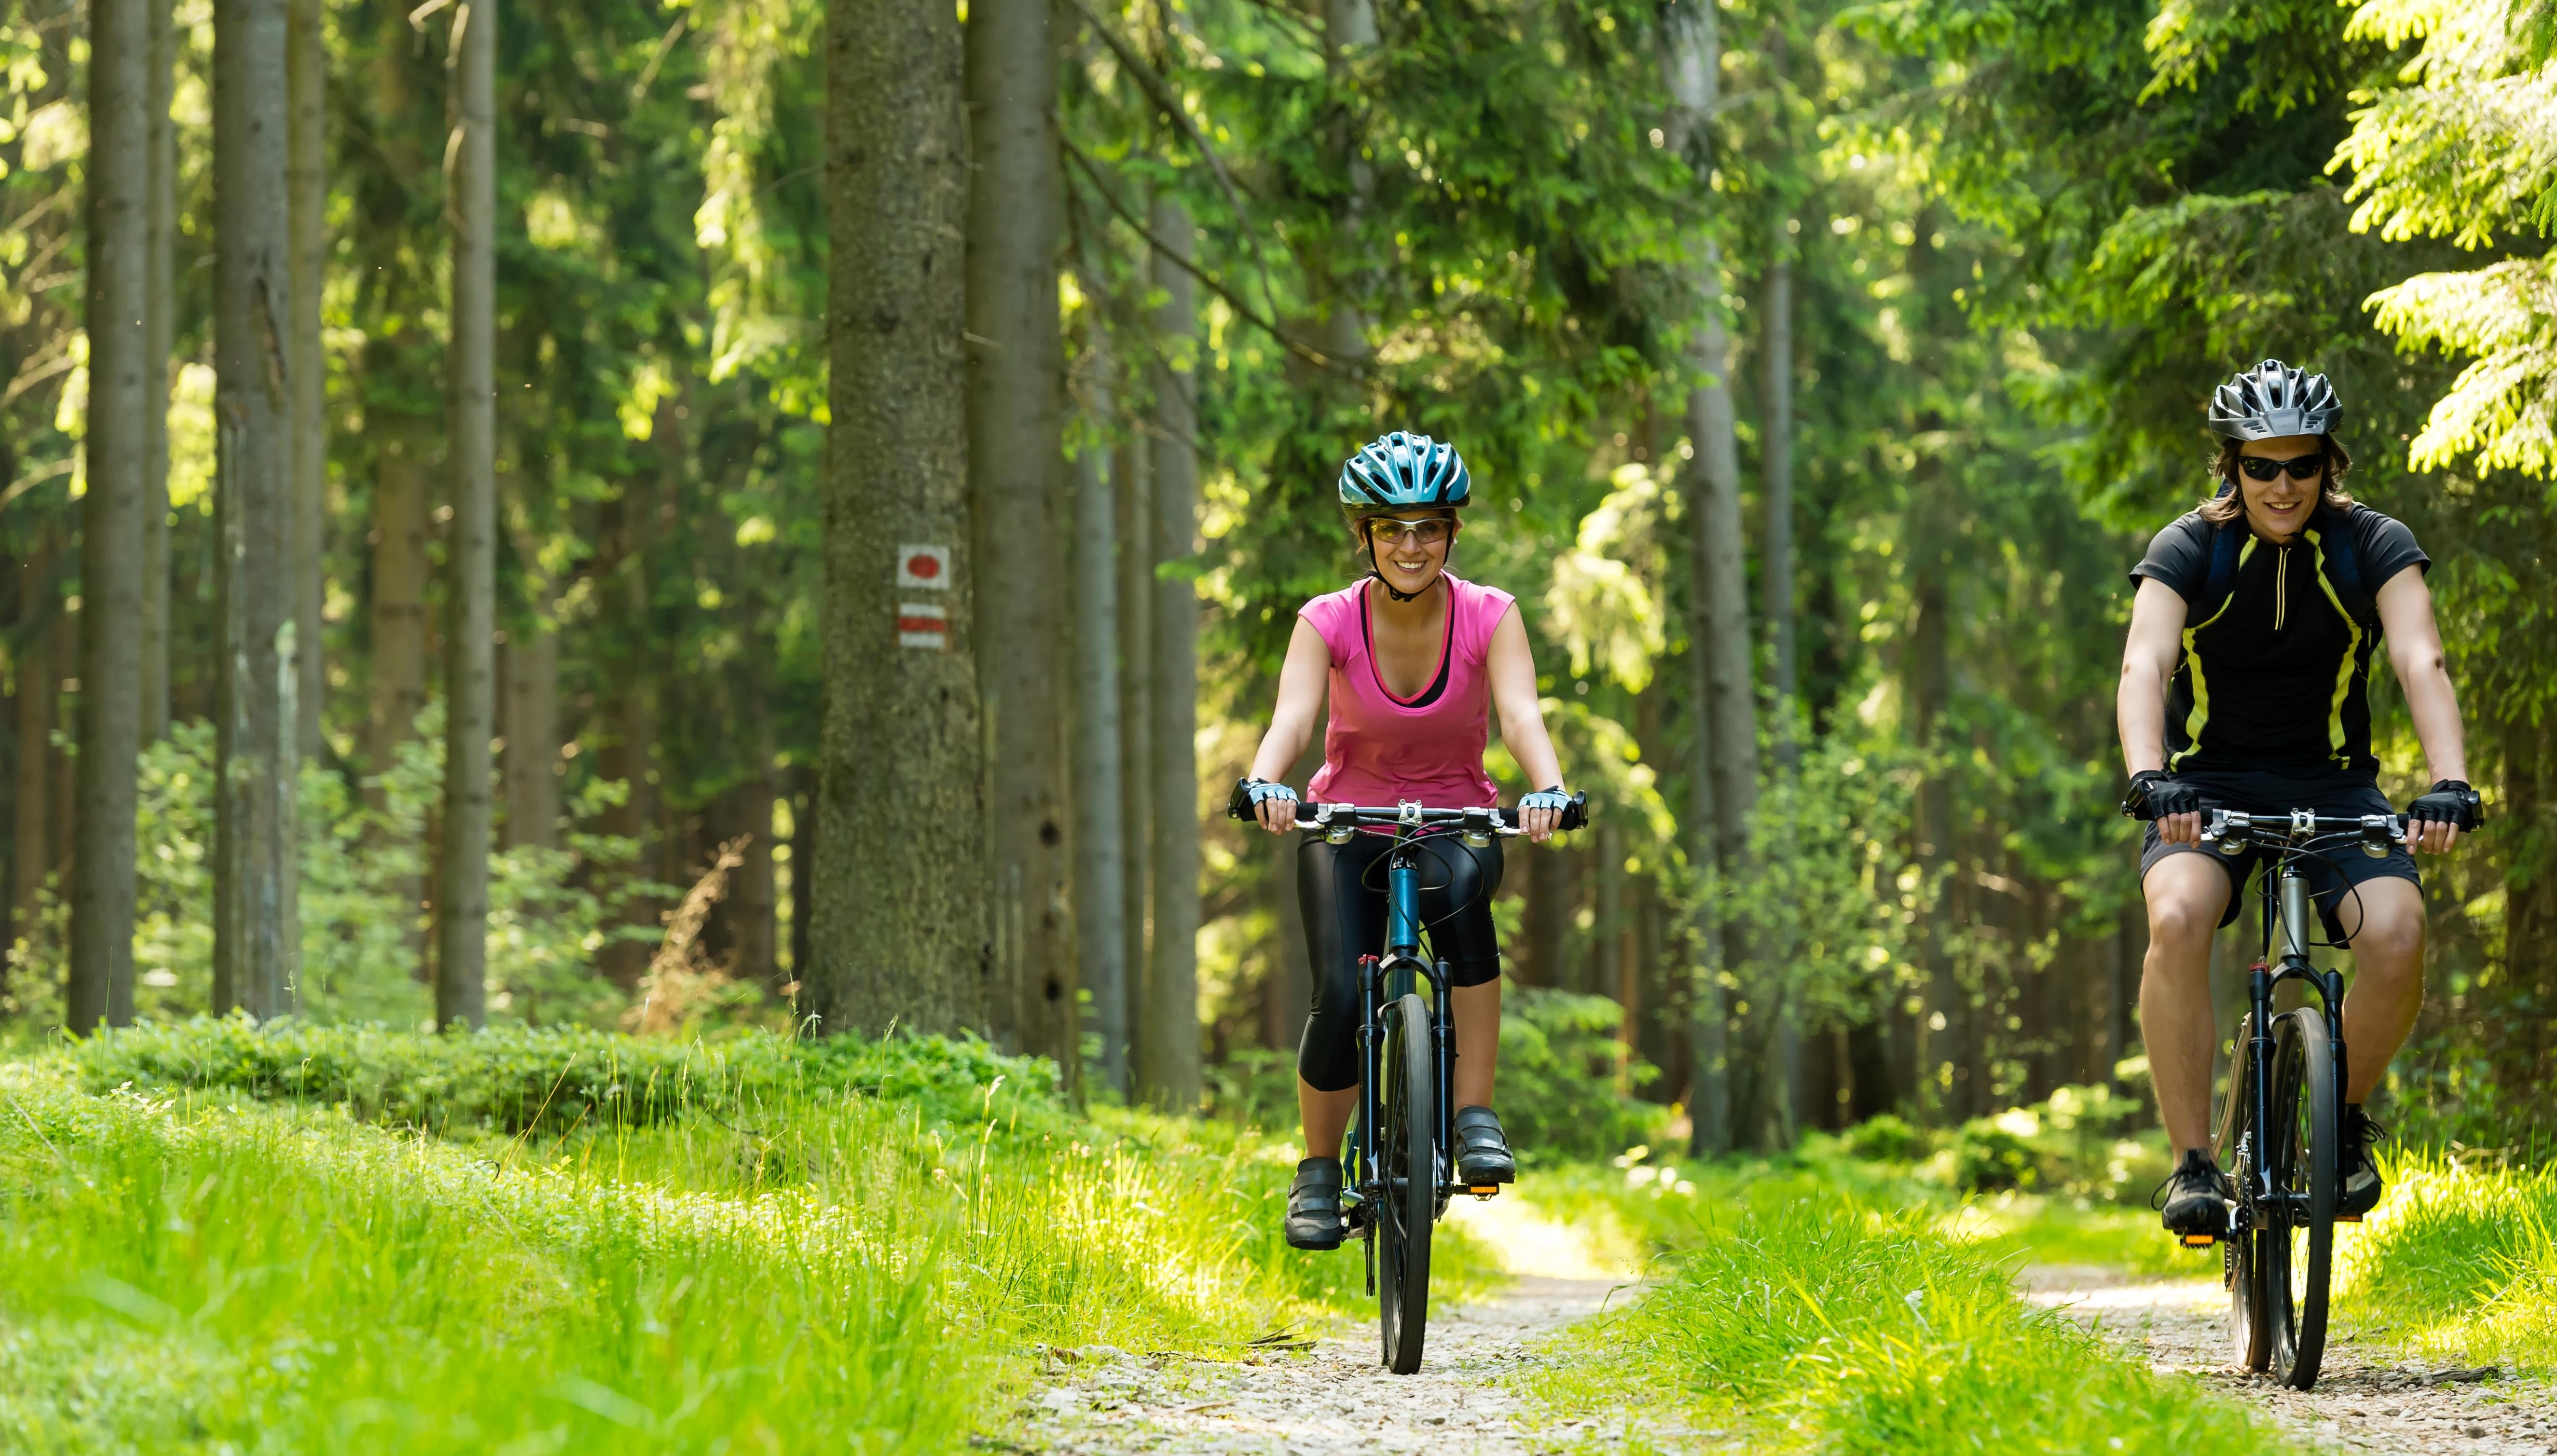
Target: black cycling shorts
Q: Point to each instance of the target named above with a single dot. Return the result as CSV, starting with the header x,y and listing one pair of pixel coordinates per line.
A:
x,y
2342,791
1341,890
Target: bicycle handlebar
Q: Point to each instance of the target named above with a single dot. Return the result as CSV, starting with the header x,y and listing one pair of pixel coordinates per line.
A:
x,y
1575,815
2302,823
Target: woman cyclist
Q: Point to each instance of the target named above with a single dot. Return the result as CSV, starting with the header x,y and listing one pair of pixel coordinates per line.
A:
x,y
2245,687
1411,657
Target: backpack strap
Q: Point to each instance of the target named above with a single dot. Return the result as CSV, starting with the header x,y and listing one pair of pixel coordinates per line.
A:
x,y
2344,568
2227,539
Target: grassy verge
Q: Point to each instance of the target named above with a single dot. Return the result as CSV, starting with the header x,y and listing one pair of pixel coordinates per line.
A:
x,y
1824,1303
2458,1261
204,1255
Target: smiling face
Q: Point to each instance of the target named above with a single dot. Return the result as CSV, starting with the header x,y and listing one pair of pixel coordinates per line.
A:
x,y
2279,508
1410,545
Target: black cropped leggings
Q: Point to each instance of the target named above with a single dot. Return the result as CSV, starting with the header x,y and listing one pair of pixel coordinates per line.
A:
x,y
1341,890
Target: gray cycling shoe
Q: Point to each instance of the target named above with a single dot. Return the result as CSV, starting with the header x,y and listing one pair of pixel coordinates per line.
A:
x,y
1482,1155
1314,1205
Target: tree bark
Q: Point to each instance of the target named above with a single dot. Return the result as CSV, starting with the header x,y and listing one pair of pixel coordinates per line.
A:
x,y
1135,728
532,759
307,189
38,681
120,375
159,323
462,872
1776,482
1015,473
1101,849
750,911
1168,1072
1726,765
256,922
403,444
899,931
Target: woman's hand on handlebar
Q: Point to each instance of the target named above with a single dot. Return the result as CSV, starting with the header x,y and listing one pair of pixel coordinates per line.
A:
x,y
1274,805
1540,813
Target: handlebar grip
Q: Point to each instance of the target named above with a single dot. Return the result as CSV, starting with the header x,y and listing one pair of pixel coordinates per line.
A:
x,y
1237,805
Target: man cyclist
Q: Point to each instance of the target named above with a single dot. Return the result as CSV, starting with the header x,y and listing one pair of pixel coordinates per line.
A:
x,y
1413,660
2245,687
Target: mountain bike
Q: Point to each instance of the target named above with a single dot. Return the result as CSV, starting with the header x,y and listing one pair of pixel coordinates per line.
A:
x,y
2281,1121
1398,1169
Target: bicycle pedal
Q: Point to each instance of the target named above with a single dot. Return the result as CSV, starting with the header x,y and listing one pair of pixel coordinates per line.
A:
x,y
2347,1218
2198,1241
1485,1190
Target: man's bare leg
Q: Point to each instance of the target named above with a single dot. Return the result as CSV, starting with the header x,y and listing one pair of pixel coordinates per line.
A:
x,y
2386,928
2186,894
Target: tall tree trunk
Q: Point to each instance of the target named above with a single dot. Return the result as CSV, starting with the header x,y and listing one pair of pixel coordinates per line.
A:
x,y
306,190
750,911
1349,28
1015,473
256,920
900,926
1101,850
625,527
469,672
1776,487
1727,770
37,680
1135,728
403,444
159,324
531,768
1942,1014
1167,1070
122,372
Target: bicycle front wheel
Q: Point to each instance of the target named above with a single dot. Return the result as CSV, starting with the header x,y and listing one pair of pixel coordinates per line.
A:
x,y
2244,1254
1409,1154
2307,1150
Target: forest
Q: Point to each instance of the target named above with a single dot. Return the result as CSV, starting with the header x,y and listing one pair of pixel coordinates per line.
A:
x,y
483,542
630,622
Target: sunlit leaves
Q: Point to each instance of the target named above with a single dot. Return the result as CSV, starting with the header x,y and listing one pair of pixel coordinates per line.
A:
x,y
2502,408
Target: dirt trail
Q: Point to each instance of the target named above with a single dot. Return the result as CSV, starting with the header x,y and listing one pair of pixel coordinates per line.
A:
x,y
1335,1399
2368,1399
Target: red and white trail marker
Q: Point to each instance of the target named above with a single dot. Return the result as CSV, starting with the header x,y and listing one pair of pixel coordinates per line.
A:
x,y
924,624
923,568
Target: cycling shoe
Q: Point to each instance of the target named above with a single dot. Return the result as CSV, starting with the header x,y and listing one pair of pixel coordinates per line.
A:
x,y
1483,1150
2195,1197
2362,1185
1314,1205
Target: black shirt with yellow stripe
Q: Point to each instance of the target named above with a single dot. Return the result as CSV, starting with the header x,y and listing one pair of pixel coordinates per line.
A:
x,y
2278,676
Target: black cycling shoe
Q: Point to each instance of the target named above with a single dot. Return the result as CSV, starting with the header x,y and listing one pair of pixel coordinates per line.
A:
x,y
1314,1205
1483,1157
2362,1185
2197,1197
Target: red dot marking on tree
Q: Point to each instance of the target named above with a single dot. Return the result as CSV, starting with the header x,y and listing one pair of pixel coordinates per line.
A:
x,y
920,564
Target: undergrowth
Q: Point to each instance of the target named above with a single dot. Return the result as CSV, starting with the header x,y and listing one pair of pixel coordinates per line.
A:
x,y
221,1240
2458,1260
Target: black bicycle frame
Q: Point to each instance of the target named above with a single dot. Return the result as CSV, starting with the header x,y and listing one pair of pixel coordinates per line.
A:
x,y
2287,912
1382,981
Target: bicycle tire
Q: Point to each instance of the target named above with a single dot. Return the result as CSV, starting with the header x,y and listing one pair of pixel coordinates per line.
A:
x,y
1408,1152
2308,1111
2251,1321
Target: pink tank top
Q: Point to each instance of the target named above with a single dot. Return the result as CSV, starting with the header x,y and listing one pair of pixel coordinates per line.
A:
x,y
1382,750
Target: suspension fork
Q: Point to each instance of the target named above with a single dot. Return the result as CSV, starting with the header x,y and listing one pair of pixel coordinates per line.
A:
x,y
1370,1071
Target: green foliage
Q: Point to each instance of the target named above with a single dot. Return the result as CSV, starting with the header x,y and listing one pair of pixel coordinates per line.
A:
x,y
2081,1142
2459,1259
1883,1139
1560,1096
362,859
1838,1325
547,1080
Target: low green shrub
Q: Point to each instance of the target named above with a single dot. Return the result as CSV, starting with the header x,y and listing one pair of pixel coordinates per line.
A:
x,y
1883,1139
1558,1091
548,1080
2088,1142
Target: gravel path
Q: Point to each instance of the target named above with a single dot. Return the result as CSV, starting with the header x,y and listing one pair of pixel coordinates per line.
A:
x,y
1331,1396
2367,1397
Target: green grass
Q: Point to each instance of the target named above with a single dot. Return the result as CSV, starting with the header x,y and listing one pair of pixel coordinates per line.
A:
x,y
1820,1302
2458,1261
206,1257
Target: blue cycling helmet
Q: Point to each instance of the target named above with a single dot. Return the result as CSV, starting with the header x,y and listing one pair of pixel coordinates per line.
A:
x,y
1403,469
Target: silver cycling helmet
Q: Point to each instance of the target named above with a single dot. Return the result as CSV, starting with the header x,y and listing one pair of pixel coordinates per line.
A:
x,y
2272,400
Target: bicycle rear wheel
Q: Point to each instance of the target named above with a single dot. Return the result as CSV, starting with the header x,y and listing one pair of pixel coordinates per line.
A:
x,y
2250,1317
1408,1148
2307,1149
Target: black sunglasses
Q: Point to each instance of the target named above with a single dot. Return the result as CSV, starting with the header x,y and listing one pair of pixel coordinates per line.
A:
x,y
2265,467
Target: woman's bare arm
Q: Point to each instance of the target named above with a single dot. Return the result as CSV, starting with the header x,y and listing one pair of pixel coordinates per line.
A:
x,y
2415,650
1512,664
1301,681
2149,657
